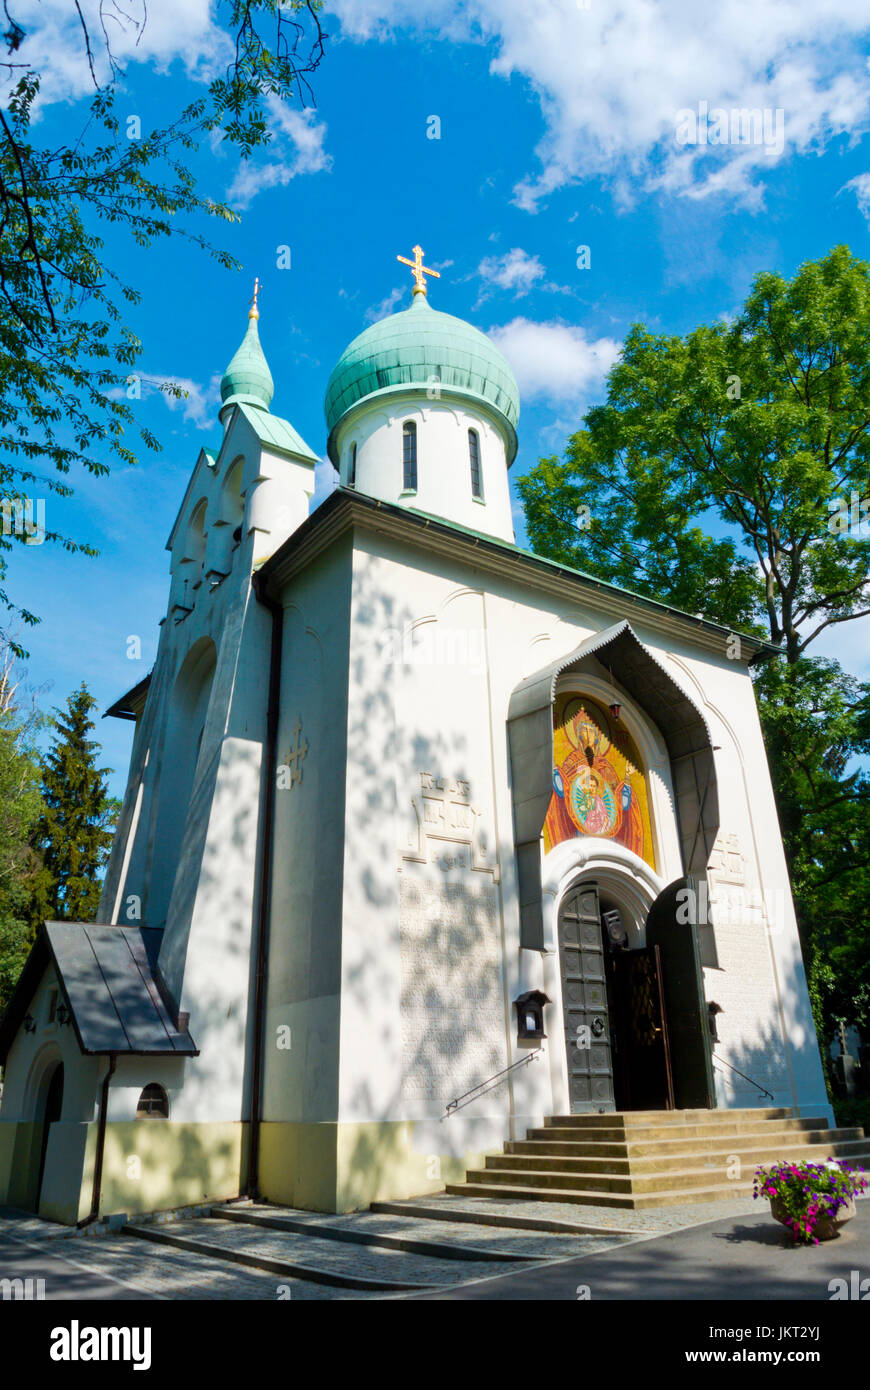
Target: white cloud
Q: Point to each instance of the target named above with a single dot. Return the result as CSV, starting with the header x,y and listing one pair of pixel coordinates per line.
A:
x,y
199,404
555,361
159,34
386,306
514,270
860,186
611,79
156,33
298,137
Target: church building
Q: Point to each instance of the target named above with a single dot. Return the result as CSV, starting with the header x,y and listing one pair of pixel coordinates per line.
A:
x,y
426,839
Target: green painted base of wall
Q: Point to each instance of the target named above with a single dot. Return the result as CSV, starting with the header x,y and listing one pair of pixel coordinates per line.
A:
x,y
155,1165
344,1167
67,1183
152,1165
20,1146
148,1165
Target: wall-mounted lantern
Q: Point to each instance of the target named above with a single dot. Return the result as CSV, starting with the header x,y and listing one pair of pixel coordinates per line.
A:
x,y
530,1015
29,1023
63,1014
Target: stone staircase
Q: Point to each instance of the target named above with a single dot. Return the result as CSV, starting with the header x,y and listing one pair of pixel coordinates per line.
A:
x,y
653,1158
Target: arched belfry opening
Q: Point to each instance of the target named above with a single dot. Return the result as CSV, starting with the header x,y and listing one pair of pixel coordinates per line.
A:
x,y
635,1017
183,743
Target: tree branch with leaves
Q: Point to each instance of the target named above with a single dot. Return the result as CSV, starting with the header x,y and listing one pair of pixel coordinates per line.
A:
x,y
66,353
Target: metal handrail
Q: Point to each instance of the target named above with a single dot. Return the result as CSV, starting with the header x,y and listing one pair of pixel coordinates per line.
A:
x,y
743,1074
485,1087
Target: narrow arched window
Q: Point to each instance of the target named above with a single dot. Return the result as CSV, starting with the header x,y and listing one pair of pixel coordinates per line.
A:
x,y
474,459
409,455
351,470
153,1103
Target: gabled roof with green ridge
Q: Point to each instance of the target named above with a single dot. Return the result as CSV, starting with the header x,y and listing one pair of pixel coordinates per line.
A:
x,y
277,434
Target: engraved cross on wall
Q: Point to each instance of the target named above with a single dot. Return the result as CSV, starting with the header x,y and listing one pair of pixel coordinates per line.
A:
x,y
295,754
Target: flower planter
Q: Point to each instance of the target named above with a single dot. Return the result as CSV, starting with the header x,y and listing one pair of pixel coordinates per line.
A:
x,y
813,1200
826,1228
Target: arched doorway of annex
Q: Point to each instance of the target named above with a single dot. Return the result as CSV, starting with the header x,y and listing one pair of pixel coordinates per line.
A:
x,y
44,1103
597,898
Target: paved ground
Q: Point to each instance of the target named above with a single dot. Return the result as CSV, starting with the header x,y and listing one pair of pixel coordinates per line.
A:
x,y
68,1272
650,1222
730,1260
696,1251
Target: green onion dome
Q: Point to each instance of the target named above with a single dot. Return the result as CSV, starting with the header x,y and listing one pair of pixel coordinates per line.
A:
x,y
248,378
409,350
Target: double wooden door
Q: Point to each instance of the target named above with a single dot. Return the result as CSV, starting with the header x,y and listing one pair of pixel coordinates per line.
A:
x,y
584,1000
635,1021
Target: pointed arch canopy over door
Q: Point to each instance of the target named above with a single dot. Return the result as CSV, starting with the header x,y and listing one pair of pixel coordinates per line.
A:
x,y
530,745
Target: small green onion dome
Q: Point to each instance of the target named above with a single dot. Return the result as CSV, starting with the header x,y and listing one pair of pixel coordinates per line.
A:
x,y
411,348
248,378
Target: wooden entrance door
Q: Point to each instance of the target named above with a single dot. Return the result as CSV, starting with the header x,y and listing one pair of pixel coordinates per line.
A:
x,y
644,1052
685,1006
584,1002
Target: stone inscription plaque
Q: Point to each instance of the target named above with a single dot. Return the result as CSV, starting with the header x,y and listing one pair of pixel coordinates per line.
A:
x,y
453,1034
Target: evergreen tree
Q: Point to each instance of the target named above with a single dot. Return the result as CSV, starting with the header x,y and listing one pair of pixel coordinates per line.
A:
x,y
74,832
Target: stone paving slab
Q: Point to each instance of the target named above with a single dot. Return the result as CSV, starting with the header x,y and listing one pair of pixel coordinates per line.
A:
x,y
652,1221
333,1257
29,1227
544,1245
166,1272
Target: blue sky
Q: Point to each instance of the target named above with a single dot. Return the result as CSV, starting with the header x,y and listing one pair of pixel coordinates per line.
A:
x,y
556,131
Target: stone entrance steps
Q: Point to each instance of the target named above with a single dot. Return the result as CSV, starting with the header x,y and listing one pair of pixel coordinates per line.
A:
x,y
629,1146
656,1158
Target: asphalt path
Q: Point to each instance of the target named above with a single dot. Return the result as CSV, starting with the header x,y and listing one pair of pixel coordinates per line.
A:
x,y
64,1267
724,1261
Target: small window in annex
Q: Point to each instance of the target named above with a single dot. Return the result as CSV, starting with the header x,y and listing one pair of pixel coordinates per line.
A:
x,y
409,456
153,1103
351,471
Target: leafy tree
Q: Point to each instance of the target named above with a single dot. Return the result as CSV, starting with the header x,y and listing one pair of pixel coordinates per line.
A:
x,y
726,470
816,723
728,473
66,355
73,834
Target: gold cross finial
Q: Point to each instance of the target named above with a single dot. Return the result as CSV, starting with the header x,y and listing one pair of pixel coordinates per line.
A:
x,y
419,270
254,312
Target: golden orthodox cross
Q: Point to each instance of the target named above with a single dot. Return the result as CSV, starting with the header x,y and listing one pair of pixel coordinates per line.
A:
x,y
254,312
419,270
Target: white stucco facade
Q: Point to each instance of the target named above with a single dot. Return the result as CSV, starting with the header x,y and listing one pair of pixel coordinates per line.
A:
x,y
321,785
444,485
